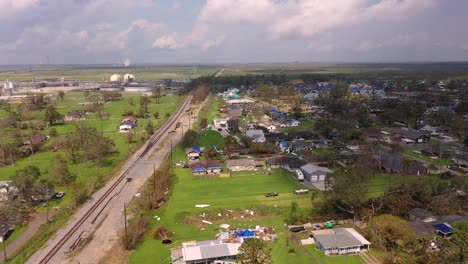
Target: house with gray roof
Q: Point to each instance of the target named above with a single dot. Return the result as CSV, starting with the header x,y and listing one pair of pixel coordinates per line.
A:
x,y
315,173
205,252
256,135
340,241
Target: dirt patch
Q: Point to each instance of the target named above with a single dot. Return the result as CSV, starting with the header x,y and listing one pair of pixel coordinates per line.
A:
x,y
117,255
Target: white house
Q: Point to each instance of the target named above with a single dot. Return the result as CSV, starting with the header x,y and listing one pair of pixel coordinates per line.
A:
x,y
256,135
221,123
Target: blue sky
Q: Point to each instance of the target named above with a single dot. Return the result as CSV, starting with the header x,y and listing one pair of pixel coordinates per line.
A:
x,y
232,31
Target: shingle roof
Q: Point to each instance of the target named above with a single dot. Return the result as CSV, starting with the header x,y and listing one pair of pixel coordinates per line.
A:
x,y
420,213
292,162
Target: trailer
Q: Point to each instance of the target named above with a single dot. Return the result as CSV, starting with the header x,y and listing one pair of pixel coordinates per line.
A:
x,y
299,175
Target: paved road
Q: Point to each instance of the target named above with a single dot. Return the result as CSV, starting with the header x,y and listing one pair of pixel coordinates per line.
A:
x,y
103,233
33,225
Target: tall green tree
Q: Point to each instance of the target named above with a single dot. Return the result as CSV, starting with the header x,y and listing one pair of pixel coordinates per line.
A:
x,y
51,115
61,95
60,171
254,251
25,180
460,238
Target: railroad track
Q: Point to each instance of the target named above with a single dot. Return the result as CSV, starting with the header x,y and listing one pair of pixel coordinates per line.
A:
x,y
154,139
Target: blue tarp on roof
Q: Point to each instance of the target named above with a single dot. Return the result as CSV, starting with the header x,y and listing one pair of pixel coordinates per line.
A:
x,y
235,96
197,149
199,168
443,228
355,89
231,88
244,233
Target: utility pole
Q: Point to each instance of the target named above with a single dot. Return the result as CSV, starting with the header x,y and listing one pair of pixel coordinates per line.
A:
x,y
171,152
4,250
126,233
154,176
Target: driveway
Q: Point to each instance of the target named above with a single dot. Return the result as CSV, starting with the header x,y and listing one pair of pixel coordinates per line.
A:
x,y
37,219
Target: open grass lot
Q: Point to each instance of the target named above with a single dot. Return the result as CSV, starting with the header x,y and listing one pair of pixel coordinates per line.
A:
x,y
306,125
369,71
209,137
90,172
227,193
382,182
98,73
440,162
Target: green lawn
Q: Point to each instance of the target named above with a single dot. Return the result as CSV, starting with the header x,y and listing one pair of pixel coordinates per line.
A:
x,y
89,173
146,73
440,162
209,137
382,181
214,113
306,125
226,193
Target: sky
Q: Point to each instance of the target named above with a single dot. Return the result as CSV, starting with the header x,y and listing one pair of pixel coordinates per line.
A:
x,y
231,31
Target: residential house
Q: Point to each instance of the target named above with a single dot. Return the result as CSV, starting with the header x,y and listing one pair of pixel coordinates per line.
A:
x,y
443,229
410,136
436,152
75,115
275,137
234,114
128,123
244,164
290,123
447,138
246,126
288,163
206,167
221,123
7,190
418,214
194,153
307,135
315,173
7,225
340,241
461,159
298,145
206,252
393,163
34,142
256,135
355,145
284,146
376,134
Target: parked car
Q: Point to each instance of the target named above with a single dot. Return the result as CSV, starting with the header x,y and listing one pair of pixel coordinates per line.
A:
x,y
271,194
301,191
297,229
59,195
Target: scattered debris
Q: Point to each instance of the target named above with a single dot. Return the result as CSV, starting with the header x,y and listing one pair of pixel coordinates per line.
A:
x,y
225,226
137,194
207,222
202,205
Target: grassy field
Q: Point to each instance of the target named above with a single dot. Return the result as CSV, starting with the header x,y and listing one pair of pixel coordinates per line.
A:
x,y
225,193
90,172
440,162
96,73
208,138
365,71
382,182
